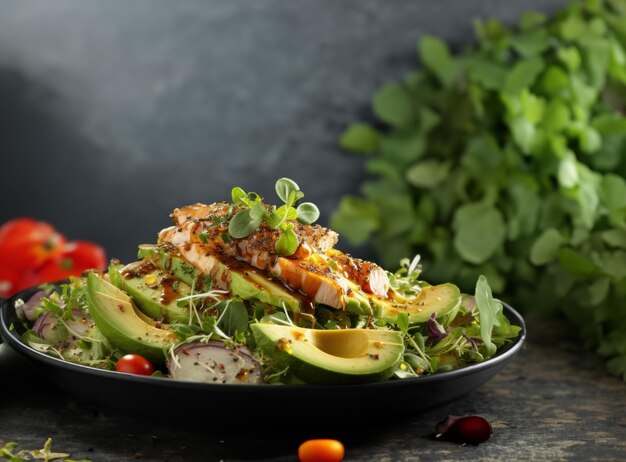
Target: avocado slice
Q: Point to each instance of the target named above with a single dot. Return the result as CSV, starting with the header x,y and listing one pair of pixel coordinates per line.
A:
x,y
356,302
442,299
331,356
122,324
154,291
245,282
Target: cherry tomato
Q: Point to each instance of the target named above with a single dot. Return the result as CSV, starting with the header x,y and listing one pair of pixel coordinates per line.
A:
x,y
26,244
321,451
134,364
76,258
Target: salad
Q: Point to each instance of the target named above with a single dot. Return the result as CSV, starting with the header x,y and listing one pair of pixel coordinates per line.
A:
x,y
244,292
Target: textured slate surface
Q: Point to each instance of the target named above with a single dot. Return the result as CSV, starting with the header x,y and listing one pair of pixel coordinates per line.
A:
x,y
113,113
554,402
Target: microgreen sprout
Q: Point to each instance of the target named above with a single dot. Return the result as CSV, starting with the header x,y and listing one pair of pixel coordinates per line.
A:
x,y
255,212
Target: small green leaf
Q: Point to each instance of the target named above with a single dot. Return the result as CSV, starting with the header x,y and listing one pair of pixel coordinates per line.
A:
x,y
356,219
472,223
402,321
613,192
242,224
615,238
257,212
570,56
556,116
546,248
291,212
523,132
568,172
573,28
596,53
428,173
613,263
361,138
436,57
238,196
307,213
610,124
392,104
590,140
285,187
555,82
523,75
403,148
487,73
576,264
233,317
531,43
489,310
274,220
252,198
287,243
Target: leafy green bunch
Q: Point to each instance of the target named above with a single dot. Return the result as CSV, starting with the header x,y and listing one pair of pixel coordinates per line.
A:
x,y
248,220
508,160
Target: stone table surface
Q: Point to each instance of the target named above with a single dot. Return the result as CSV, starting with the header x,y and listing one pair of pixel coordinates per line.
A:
x,y
553,402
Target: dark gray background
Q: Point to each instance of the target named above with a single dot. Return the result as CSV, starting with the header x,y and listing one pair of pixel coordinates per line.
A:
x,y
114,112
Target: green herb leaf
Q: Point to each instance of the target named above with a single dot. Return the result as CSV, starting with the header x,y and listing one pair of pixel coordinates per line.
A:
x,y
238,196
356,219
307,213
243,224
257,212
546,248
523,75
285,187
428,174
287,243
233,317
361,138
436,56
472,223
392,105
489,310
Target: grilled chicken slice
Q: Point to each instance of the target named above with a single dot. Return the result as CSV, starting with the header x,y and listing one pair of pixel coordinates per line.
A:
x,y
258,248
317,270
369,276
318,281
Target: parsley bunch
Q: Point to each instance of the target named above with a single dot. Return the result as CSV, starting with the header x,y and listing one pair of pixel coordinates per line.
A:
x,y
509,160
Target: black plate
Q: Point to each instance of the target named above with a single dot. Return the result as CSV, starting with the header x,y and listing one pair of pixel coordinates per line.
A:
x,y
144,394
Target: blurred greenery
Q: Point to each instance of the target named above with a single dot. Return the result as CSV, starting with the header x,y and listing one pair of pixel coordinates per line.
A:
x,y
508,160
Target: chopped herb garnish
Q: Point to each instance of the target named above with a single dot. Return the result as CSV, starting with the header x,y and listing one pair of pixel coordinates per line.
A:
x,y
248,220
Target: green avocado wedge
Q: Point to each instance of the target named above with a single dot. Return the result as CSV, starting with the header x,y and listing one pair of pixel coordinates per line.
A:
x,y
331,356
122,324
245,282
154,291
442,299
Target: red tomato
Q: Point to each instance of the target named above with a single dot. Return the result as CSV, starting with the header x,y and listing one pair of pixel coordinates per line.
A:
x,y
9,282
321,451
26,244
134,364
28,279
76,258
